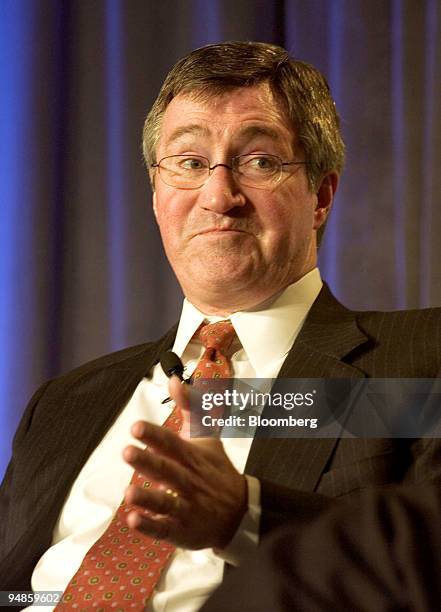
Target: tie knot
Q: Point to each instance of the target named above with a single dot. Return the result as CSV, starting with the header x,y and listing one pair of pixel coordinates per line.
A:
x,y
217,336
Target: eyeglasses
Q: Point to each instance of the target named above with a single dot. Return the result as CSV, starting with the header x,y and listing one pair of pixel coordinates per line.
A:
x,y
260,170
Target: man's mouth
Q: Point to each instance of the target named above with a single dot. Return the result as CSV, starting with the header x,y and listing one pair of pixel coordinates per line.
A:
x,y
219,230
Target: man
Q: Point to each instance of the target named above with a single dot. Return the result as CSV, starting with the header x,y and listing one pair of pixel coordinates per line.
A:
x,y
244,152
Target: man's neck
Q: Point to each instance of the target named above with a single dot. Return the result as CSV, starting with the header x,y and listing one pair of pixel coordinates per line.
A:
x,y
224,306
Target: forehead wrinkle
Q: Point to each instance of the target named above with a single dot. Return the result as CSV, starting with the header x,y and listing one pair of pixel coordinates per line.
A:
x,y
193,129
248,132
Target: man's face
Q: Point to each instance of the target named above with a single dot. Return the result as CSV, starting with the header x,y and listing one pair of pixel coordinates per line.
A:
x,y
232,247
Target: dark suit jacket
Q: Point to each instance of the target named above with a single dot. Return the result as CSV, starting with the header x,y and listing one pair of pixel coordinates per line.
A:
x,y
381,554
68,416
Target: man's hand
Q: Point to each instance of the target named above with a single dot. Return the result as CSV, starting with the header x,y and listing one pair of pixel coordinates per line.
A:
x,y
202,497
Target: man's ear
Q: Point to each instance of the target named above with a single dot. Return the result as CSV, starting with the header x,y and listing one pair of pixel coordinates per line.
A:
x,y
155,210
325,197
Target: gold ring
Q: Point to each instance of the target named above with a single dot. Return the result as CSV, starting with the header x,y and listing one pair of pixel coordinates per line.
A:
x,y
175,496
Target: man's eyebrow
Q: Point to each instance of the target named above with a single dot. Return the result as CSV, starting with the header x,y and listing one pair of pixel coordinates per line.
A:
x,y
251,131
193,129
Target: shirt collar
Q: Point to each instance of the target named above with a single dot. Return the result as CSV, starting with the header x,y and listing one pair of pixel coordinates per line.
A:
x,y
278,321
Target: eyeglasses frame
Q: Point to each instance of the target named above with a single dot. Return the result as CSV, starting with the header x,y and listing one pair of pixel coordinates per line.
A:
x,y
211,168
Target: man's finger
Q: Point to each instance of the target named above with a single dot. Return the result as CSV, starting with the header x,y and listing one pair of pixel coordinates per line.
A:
x,y
160,528
158,468
179,393
162,440
160,501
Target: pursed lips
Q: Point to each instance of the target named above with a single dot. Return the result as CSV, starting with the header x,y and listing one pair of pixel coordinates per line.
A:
x,y
219,230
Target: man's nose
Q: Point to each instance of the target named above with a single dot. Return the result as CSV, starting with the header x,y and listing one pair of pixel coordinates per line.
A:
x,y
221,192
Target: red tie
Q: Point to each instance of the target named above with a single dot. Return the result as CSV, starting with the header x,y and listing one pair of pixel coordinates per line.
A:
x,y
215,361
120,571
122,568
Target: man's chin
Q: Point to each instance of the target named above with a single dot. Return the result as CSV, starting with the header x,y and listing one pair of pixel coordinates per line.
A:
x,y
227,279
221,278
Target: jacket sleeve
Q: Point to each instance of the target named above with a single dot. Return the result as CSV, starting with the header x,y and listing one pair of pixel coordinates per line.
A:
x,y
7,506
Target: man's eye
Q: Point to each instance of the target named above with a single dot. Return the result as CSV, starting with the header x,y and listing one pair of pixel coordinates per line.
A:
x,y
262,163
191,163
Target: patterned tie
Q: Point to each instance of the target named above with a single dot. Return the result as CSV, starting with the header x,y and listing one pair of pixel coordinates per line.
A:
x,y
214,364
217,339
122,568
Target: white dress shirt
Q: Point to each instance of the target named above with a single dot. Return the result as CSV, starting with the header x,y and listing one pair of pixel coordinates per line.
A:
x,y
99,488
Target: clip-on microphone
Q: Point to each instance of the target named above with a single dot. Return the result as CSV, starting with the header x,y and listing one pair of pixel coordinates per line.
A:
x,y
172,365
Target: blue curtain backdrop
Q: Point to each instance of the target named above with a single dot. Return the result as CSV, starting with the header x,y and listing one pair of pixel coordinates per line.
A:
x,y
81,266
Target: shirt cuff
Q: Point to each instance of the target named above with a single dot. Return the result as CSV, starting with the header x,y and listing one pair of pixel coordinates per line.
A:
x,y
246,538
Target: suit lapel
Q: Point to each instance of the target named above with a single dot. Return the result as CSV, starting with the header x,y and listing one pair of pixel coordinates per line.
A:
x,y
119,383
322,350
90,401
114,386
97,395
